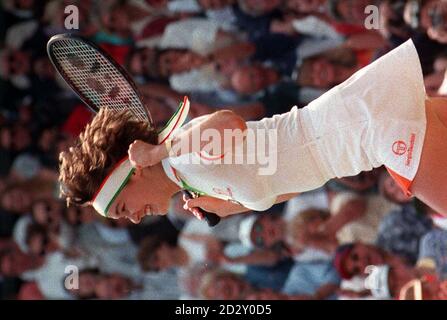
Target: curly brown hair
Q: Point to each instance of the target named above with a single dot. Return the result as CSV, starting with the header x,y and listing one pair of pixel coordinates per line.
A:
x,y
100,146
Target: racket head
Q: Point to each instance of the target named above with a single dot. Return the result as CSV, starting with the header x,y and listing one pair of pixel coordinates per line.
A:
x,y
95,76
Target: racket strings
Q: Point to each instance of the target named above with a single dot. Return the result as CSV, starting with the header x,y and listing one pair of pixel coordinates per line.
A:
x,y
97,78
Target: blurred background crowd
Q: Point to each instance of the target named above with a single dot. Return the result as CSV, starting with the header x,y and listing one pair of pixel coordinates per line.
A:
x,y
355,238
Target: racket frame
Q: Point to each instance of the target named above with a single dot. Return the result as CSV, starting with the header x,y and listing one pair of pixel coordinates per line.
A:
x,y
90,104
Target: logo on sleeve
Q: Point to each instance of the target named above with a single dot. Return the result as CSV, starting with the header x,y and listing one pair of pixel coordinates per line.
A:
x,y
224,192
400,148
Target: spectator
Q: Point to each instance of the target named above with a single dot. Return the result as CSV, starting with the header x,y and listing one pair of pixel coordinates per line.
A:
x,y
401,230
224,285
15,263
433,253
346,11
386,282
324,71
429,17
317,280
353,259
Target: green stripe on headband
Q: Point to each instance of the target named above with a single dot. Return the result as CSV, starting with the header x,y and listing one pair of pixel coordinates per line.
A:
x,y
119,191
112,185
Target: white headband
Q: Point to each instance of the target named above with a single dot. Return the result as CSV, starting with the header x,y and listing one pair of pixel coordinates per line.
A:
x,y
112,185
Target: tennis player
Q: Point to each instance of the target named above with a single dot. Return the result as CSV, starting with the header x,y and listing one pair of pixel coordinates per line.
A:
x,y
379,116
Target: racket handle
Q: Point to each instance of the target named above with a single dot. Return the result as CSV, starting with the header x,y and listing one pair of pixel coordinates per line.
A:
x,y
211,218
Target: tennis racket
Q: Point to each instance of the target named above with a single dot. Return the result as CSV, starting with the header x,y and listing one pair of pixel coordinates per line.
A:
x,y
101,82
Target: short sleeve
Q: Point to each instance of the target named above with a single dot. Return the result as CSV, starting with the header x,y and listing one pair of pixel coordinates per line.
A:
x,y
261,205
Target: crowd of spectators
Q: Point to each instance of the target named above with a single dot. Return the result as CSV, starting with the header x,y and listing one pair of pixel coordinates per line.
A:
x,y
356,238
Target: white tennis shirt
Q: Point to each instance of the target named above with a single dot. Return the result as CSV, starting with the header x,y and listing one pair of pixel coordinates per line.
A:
x,y
375,118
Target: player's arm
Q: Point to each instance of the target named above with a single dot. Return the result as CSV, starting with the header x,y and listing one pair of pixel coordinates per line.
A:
x,y
286,197
205,134
223,208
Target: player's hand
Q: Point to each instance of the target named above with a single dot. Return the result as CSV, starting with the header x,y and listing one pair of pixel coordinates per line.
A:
x,y
142,154
209,204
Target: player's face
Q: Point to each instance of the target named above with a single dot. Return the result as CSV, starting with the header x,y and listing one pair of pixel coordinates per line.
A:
x,y
141,197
